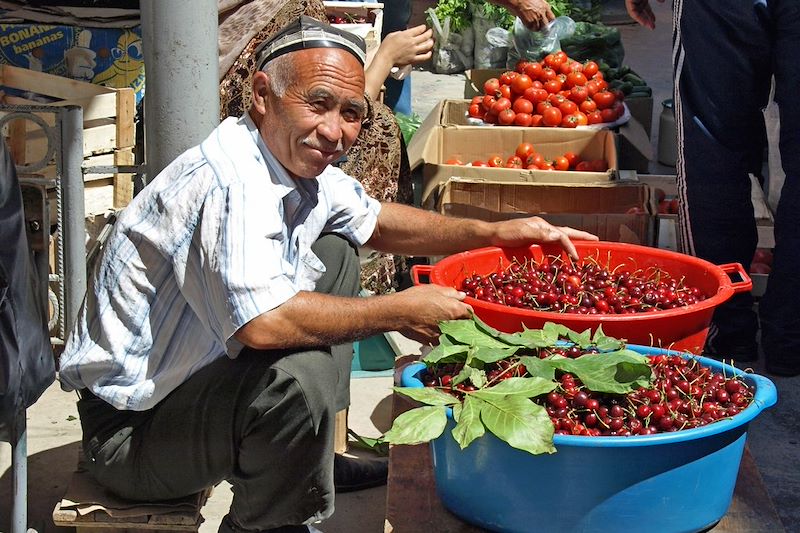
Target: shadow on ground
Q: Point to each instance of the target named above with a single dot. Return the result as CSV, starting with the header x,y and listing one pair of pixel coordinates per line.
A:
x,y
49,472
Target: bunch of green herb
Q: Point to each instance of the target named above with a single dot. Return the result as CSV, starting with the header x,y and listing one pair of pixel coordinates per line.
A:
x,y
458,11
408,124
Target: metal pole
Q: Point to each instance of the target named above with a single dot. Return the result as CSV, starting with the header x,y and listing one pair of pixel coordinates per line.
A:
x,y
182,96
73,215
19,462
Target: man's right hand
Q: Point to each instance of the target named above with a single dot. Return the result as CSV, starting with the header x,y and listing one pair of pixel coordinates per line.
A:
x,y
422,307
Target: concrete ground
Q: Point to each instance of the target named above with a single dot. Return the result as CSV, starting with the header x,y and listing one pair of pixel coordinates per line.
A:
x,y
54,430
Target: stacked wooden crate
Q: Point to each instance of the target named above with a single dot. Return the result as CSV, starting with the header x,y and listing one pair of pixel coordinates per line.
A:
x,y
108,130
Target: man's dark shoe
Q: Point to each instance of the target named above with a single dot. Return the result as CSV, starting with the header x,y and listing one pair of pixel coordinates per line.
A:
x,y
354,473
726,350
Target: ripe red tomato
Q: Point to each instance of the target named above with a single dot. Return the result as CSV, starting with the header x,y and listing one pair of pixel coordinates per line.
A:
x,y
553,85
533,70
551,116
536,120
547,74
521,65
595,117
561,56
504,91
561,163
488,102
506,117
578,94
583,166
454,161
604,99
520,83
583,120
490,117
572,158
477,100
476,111
556,99
479,163
523,119
590,68
540,95
491,86
514,161
569,121
522,105
608,114
568,107
496,161
576,79
507,77
524,149
536,159
501,105
541,106
598,165
592,87
587,106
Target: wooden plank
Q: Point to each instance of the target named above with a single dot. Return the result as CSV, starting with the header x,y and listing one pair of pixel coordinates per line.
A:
x,y
123,183
48,84
412,504
126,111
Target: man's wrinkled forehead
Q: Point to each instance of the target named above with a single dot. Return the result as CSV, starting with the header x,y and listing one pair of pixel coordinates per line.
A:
x,y
306,33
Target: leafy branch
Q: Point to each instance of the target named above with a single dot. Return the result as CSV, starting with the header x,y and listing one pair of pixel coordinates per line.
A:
x,y
505,408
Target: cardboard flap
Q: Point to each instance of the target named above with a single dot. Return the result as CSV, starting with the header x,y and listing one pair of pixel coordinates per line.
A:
x,y
416,146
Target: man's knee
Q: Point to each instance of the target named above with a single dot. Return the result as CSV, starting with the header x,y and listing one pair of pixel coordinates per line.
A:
x,y
342,266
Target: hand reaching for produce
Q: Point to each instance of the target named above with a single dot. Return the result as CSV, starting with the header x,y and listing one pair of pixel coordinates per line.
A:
x,y
535,14
524,231
422,307
641,12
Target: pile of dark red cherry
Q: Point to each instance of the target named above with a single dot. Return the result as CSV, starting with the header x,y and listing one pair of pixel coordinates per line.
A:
x,y
583,287
684,395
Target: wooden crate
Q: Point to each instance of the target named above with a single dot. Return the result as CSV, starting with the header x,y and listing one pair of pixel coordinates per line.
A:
x,y
89,508
370,31
108,128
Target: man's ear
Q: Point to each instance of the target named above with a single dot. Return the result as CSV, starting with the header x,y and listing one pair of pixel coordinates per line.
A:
x,y
261,91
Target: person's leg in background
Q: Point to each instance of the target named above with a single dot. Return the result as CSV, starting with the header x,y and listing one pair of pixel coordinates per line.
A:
x,y
721,84
396,14
398,95
780,320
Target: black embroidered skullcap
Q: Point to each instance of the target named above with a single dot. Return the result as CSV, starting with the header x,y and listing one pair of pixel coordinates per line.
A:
x,y
305,33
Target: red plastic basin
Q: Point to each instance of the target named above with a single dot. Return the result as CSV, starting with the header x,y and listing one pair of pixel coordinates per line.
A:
x,y
682,328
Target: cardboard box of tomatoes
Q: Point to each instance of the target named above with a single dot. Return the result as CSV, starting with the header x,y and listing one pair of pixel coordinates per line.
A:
x,y
614,211
633,138
441,150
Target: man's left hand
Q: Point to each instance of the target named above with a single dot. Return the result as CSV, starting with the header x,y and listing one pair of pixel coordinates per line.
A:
x,y
525,231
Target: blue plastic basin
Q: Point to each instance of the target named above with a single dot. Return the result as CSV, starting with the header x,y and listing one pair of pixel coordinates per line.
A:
x,y
668,482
